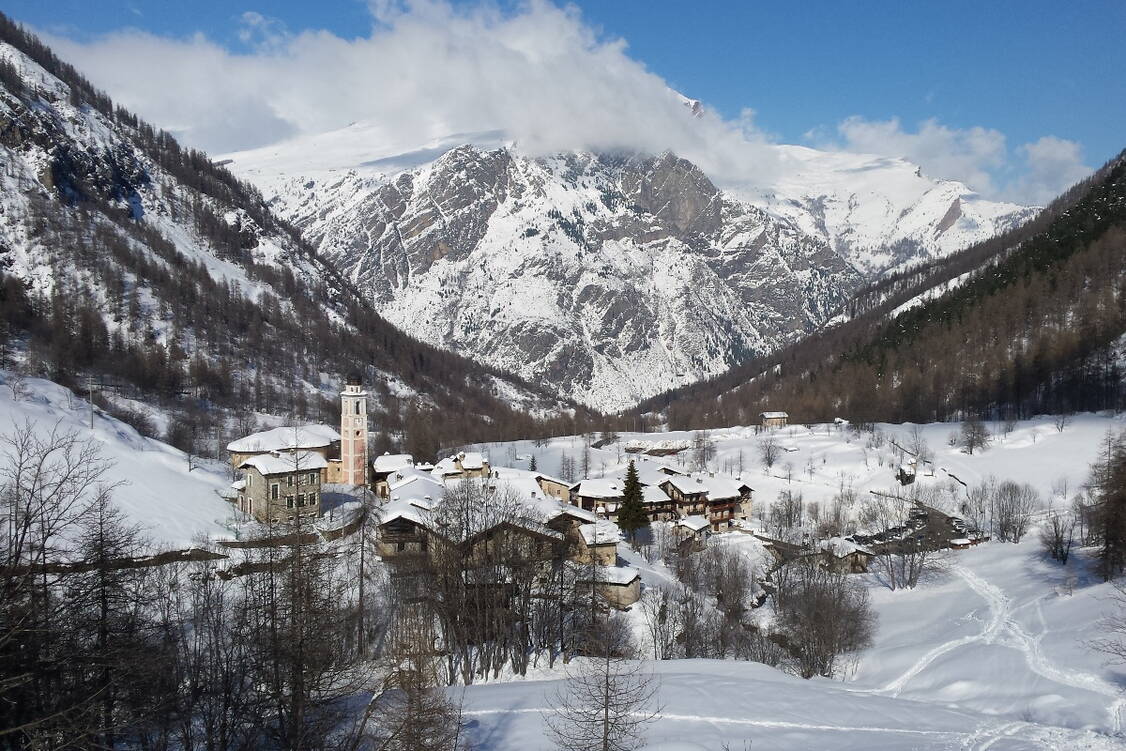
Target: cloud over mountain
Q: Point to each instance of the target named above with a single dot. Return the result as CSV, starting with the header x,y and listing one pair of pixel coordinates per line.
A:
x,y
539,72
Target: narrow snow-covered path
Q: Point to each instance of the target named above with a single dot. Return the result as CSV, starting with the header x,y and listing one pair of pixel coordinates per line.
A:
x,y
1004,630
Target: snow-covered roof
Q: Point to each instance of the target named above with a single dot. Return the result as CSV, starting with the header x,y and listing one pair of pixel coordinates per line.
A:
x,y
238,485
548,508
472,460
620,575
694,523
415,485
601,532
961,541
405,509
599,487
549,478
653,494
446,467
286,438
716,486
840,547
392,462
284,462
774,415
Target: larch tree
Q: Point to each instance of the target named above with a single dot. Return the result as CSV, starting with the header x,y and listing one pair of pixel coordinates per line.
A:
x,y
608,697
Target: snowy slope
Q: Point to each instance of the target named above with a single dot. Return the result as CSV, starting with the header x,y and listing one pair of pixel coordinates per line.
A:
x,y
608,277
173,506
989,654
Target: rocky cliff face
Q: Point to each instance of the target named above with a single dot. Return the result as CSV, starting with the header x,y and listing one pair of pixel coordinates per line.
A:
x,y
607,277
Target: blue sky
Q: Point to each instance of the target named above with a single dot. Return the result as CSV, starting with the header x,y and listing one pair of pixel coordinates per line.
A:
x,y
1022,70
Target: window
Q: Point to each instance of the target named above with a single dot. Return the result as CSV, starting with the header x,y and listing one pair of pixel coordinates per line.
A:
x,y
300,499
289,502
249,479
357,408
401,546
289,480
312,499
312,478
273,491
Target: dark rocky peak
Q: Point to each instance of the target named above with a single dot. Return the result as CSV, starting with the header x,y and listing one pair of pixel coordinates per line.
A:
x,y
675,191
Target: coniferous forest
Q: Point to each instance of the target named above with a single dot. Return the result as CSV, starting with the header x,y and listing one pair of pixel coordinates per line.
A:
x,y
1035,329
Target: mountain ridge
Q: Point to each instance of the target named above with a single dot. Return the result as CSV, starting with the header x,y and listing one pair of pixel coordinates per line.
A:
x,y
800,257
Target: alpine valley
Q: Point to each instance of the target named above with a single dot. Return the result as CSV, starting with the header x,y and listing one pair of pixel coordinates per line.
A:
x,y
609,277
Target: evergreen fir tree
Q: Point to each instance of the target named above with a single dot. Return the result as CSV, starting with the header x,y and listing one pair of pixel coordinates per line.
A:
x,y
631,514
532,464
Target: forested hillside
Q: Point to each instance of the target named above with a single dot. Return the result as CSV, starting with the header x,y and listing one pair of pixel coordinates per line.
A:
x,y
126,257
1028,322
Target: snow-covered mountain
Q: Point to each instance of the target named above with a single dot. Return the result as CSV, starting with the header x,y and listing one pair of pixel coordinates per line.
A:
x,y
608,277
880,213
124,255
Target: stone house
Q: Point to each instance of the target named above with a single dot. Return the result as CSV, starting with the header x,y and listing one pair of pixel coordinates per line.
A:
x,y
597,543
774,419
554,487
282,486
617,586
319,439
463,464
383,468
722,500
692,533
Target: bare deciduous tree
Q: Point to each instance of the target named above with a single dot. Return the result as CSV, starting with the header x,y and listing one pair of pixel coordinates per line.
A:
x,y
902,562
1013,509
662,622
824,616
974,435
769,450
608,697
1057,536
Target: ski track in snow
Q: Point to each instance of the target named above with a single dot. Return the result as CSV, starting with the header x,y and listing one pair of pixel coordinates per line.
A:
x,y
1004,629
777,724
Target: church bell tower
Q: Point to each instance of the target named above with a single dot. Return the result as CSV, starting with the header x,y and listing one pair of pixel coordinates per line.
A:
x,y
354,433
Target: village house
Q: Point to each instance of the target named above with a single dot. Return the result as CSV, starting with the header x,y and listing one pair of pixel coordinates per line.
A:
x,y
692,533
405,529
617,586
597,544
344,451
554,487
844,556
774,419
721,500
383,467
600,495
282,486
463,464
545,529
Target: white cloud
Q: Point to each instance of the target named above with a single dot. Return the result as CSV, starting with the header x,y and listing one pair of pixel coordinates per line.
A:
x,y
978,157
1054,164
968,155
428,69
